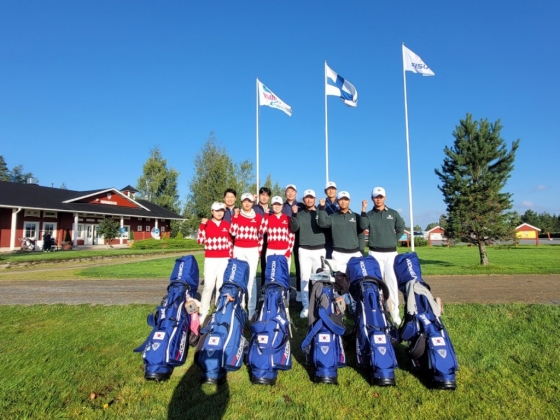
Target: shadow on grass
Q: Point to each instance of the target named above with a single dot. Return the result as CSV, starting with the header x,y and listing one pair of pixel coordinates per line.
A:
x,y
405,364
436,262
192,400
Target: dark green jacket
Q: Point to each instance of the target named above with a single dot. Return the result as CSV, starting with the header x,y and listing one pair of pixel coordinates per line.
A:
x,y
310,234
385,229
345,228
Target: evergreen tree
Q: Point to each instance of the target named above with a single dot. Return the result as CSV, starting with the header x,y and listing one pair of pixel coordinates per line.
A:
x,y
473,174
4,171
158,184
214,172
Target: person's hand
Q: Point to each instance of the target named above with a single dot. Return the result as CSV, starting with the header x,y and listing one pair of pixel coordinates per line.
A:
x,y
364,205
322,202
294,208
203,220
236,212
255,197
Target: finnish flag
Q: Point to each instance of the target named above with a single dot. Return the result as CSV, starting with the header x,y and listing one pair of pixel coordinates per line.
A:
x,y
414,63
337,86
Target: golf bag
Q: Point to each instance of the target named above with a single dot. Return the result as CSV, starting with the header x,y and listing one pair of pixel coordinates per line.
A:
x,y
323,344
270,350
374,334
222,346
167,343
429,344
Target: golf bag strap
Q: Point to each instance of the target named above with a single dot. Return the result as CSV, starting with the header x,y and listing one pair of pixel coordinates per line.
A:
x,y
329,323
312,333
415,287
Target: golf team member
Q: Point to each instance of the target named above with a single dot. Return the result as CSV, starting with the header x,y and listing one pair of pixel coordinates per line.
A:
x,y
264,210
229,199
331,207
311,244
345,228
291,194
247,229
215,237
385,228
277,229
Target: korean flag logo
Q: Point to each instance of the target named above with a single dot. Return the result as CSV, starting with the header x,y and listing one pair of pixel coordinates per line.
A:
x,y
324,338
438,341
214,341
380,339
160,335
263,339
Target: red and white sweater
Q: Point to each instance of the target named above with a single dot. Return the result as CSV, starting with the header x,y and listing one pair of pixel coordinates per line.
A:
x,y
248,231
279,237
216,239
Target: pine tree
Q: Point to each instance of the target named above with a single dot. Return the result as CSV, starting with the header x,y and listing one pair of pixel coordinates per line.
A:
x,y
4,171
473,174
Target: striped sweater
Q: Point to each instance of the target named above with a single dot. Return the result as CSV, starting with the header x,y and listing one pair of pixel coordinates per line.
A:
x,y
216,239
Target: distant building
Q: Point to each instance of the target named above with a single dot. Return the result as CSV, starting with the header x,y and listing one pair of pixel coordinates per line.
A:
x,y
30,211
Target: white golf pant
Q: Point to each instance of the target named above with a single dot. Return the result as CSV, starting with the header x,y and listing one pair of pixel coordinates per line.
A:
x,y
309,262
214,269
251,255
342,259
279,252
386,262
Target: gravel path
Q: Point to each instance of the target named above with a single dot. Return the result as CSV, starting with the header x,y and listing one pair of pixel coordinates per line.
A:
x,y
543,289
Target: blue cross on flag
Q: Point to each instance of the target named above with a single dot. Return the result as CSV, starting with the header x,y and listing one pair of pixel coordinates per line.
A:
x,y
337,86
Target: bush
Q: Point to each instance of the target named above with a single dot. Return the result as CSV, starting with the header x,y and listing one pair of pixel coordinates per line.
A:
x,y
166,243
179,235
420,241
131,235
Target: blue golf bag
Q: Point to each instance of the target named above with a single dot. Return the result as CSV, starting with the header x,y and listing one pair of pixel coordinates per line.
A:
x,y
270,350
221,347
374,334
429,344
323,346
167,343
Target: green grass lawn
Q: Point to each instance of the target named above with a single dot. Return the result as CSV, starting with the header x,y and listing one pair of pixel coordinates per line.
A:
x,y
434,261
54,357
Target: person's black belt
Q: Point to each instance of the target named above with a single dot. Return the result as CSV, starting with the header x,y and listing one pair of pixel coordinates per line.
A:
x,y
376,249
312,247
346,251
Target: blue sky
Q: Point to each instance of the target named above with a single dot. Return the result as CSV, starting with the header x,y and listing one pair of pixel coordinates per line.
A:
x,y
88,88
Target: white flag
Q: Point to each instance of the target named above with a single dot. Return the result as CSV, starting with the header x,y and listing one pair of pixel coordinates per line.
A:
x,y
268,98
337,86
412,62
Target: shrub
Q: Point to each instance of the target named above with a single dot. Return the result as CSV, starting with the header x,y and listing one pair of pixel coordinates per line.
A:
x,y
131,235
173,243
179,235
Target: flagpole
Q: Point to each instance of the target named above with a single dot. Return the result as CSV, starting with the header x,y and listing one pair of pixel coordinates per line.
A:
x,y
257,103
408,160
326,128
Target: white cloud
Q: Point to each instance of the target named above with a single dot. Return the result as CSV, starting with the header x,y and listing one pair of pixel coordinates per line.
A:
x,y
541,187
527,204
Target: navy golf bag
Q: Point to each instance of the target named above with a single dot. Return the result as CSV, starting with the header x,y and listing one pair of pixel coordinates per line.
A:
x,y
374,334
270,350
429,344
167,343
323,344
221,347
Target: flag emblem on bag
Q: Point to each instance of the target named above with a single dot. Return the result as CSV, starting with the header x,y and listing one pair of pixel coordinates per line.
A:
x,y
438,341
263,339
160,335
324,338
380,339
214,341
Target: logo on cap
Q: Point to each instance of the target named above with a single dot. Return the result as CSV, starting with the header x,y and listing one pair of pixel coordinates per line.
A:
x,y
378,191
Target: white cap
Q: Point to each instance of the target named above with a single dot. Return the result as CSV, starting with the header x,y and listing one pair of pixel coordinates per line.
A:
x,y
276,200
218,206
330,184
343,194
308,193
291,186
378,191
247,196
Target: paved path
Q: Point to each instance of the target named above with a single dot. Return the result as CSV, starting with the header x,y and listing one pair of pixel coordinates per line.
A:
x,y
452,289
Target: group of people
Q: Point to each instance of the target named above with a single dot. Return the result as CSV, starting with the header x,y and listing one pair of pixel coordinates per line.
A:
x,y
266,226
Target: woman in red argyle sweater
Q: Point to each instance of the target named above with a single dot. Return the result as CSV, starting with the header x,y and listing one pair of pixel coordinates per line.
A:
x,y
216,238
247,227
280,239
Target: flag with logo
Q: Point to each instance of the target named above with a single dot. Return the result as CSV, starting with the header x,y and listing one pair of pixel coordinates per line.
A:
x,y
414,63
268,98
337,86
